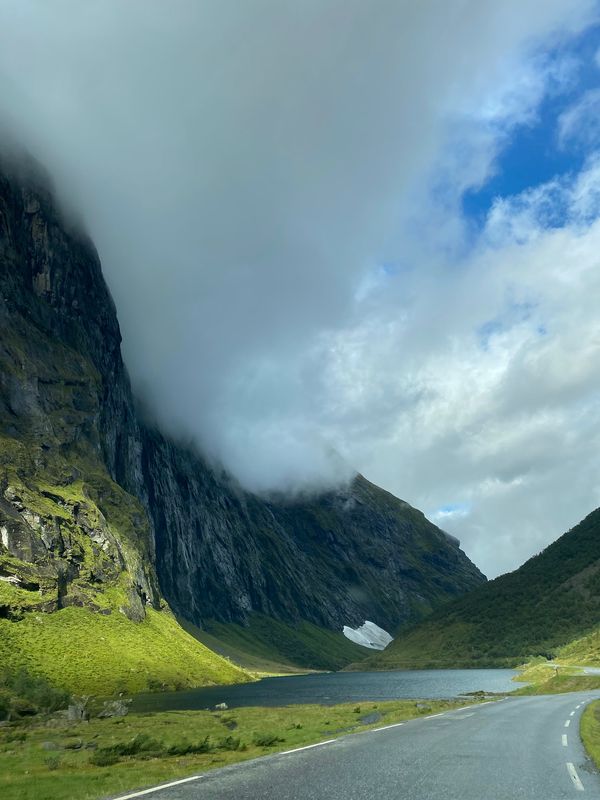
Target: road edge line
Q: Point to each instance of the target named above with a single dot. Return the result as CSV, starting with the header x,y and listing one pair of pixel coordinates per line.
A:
x,y
298,749
574,776
153,789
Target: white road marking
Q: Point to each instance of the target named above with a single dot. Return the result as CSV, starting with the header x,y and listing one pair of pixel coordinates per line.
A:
x,y
564,740
385,727
567,723
431,716
574,777
159,788
296,750
572,714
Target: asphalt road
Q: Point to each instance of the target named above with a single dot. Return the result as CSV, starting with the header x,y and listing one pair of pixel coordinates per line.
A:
x,y
521,747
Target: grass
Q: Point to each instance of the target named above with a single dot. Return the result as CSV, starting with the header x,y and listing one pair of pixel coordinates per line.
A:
x,y
590,731
584,651
90,653
568,681
553,677
39,761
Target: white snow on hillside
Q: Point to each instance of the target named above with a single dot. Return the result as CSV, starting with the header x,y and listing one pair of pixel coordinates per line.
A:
x,y
368,635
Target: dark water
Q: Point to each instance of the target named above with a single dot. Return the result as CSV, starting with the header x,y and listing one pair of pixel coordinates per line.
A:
x,y
334,687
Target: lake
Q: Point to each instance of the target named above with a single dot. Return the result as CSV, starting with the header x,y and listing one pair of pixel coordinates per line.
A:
x,y
334,687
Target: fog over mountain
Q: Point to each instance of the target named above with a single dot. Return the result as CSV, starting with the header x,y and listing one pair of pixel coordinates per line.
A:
x,y
277,191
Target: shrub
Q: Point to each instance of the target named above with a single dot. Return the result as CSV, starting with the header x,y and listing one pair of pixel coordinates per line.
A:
x,y
30,694
4,703
23,707
229,743
103,757
142,743
187,748
52,762
267,739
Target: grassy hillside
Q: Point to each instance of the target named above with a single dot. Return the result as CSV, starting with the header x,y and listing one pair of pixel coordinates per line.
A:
x,y
268,645
89,653
552,600
583,651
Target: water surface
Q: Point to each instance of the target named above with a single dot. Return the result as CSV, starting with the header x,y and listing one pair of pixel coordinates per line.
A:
x,y
334,687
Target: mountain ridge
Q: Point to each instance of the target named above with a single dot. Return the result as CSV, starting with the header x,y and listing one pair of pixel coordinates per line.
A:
x,y
549,602
100,511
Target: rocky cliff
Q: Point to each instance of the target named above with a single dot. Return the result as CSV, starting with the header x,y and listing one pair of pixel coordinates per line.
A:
x,y
100,511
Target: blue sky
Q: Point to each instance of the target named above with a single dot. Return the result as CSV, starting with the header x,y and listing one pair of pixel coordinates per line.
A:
x,y
533,153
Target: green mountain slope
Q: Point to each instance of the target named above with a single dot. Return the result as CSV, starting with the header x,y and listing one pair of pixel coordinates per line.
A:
x,y
265,644
553,599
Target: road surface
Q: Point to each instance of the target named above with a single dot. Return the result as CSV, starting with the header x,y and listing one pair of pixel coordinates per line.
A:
x,y
520,747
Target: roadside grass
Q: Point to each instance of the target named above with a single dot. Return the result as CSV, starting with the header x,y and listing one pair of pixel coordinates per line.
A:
x,y
52,759
590,731
544,678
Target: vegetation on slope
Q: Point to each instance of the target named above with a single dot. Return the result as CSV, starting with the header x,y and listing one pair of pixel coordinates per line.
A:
x,y
553,599
268,645
90,653
542,677
103,758
583,651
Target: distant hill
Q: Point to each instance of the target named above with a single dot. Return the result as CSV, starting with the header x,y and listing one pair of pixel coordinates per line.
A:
x,y
549,602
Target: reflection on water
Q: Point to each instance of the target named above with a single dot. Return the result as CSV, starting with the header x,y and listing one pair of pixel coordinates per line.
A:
x,y
334,687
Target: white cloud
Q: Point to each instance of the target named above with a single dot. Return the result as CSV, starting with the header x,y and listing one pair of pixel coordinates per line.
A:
x,y
247,169
506,425
580,123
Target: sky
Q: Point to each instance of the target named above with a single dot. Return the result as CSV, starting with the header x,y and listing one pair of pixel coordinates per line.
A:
x,y
344,236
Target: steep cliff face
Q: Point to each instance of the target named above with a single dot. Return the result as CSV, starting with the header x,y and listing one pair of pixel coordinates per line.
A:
x,y
60,377
94,504
79,596
354,554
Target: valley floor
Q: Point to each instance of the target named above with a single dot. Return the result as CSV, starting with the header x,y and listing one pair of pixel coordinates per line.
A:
x,y
56,760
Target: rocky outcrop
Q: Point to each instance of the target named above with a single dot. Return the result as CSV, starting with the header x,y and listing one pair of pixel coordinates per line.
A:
x,y
68,530
91,497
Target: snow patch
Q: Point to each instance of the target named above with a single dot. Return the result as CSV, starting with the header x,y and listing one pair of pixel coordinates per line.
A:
x,y
368,635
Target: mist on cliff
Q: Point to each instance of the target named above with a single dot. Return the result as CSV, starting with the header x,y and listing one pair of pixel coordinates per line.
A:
x,y
275,192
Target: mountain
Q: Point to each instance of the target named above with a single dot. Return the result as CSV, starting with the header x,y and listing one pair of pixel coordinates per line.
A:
x,y
553,599
107,526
